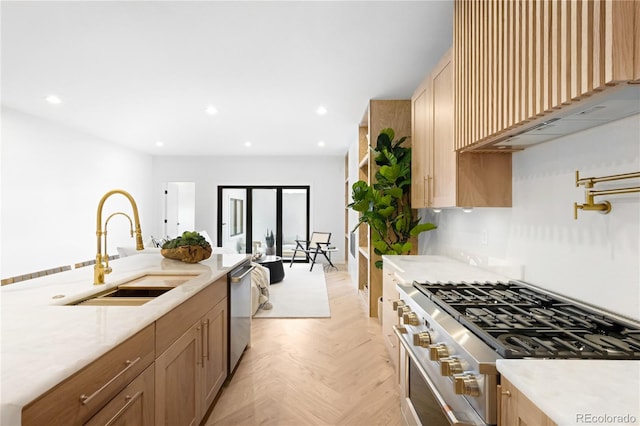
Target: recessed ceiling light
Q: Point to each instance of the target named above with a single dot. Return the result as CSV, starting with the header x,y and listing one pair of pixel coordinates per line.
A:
x,y
247,144
53,99
159,143
321,144
211,110
321,110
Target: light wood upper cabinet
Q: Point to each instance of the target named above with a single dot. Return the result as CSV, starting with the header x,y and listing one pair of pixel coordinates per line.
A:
x,y
420,125
519,60
442,177
443,159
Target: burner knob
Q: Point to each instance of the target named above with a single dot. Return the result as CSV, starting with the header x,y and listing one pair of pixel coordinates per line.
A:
x,y
438,351
450,366
403,309
410,319
422,339
466,384
397,304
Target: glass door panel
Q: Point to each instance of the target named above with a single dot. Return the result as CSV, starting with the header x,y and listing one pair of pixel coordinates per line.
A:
x,y
264,212
234,219
294,219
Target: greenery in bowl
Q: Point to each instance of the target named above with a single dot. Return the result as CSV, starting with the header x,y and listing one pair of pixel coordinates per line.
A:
x,y
188,238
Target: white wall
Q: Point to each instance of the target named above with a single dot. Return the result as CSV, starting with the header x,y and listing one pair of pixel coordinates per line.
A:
x,y
596,258
324,175
53,178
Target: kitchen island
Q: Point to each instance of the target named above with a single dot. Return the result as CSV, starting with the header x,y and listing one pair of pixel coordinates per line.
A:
x,y
45,341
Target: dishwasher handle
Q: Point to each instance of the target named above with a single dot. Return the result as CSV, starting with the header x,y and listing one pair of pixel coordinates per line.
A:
x,y
245,270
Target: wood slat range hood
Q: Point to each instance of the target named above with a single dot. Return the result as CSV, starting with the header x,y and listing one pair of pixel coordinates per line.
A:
x,y
601,108
529,71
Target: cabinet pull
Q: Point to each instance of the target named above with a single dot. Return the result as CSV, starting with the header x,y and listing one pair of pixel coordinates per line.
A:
x,y
130,400
205,332
208,334
84,399
201,330
425,191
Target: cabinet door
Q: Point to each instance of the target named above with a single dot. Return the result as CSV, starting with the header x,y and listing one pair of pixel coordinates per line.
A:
x,y
517,410
214,353
178,381
390,316
420,154
134,406
444,155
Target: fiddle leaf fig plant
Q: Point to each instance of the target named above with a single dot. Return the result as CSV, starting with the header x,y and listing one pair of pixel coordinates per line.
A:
x,y
386,204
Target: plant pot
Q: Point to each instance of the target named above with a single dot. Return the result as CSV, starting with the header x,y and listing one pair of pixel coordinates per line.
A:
x,y
188,254
270,251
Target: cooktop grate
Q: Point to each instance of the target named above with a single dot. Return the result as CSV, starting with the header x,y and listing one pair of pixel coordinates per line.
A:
x,y
519,322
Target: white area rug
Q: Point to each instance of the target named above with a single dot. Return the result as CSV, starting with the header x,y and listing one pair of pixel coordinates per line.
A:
x,y
301,294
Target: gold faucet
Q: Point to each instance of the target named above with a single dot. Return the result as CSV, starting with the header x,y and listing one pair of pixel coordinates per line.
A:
x,y
590,193
100,268
107,268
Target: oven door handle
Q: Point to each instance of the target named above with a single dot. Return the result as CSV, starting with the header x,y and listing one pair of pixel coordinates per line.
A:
x,y
451,417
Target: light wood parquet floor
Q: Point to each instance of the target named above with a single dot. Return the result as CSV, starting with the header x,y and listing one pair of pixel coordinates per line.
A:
x,y
314,371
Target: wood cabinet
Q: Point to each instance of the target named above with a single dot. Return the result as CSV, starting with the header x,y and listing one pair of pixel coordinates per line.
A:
x,y
518,61
389,315
80,397
515,409
168,373
380,114
132,406
178,380
442,177
191,371
214,352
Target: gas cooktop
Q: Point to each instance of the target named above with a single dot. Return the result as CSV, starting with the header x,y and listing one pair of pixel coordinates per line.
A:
x,y
519,322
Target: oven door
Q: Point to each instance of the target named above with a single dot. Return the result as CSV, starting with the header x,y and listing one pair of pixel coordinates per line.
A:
x,y
422,403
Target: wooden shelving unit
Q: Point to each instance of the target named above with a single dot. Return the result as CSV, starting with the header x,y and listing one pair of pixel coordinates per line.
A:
x,y
380,115
347,190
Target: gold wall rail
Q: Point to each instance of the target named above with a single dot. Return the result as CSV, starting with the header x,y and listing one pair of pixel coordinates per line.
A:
x,y
590,194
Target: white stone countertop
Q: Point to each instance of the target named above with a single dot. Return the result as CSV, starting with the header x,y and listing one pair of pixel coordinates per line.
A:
x,y
579,392
442,268
43,341
562,389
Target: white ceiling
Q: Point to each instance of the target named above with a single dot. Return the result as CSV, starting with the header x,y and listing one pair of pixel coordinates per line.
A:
x,y
135,73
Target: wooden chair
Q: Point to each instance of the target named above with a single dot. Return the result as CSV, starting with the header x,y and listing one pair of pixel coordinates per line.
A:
x,y
318,244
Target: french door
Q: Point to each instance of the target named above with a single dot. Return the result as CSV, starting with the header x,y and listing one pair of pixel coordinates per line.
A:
x,y
248,215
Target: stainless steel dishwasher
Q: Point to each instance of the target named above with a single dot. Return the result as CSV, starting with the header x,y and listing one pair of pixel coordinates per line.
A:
x,y
239,313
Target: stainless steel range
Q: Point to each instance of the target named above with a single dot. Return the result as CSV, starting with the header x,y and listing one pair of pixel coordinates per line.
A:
x,y
451,335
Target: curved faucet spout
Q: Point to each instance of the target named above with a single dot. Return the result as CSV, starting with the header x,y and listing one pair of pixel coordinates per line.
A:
x,y
100,269
106,251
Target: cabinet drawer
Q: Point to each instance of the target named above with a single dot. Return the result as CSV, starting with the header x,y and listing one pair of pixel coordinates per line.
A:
x,y
133,406
78,398
177,321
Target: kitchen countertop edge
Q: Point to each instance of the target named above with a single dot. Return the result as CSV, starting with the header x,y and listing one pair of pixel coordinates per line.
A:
x,y
36,335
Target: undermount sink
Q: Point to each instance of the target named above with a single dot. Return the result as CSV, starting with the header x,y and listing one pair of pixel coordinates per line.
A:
x,y
135,292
